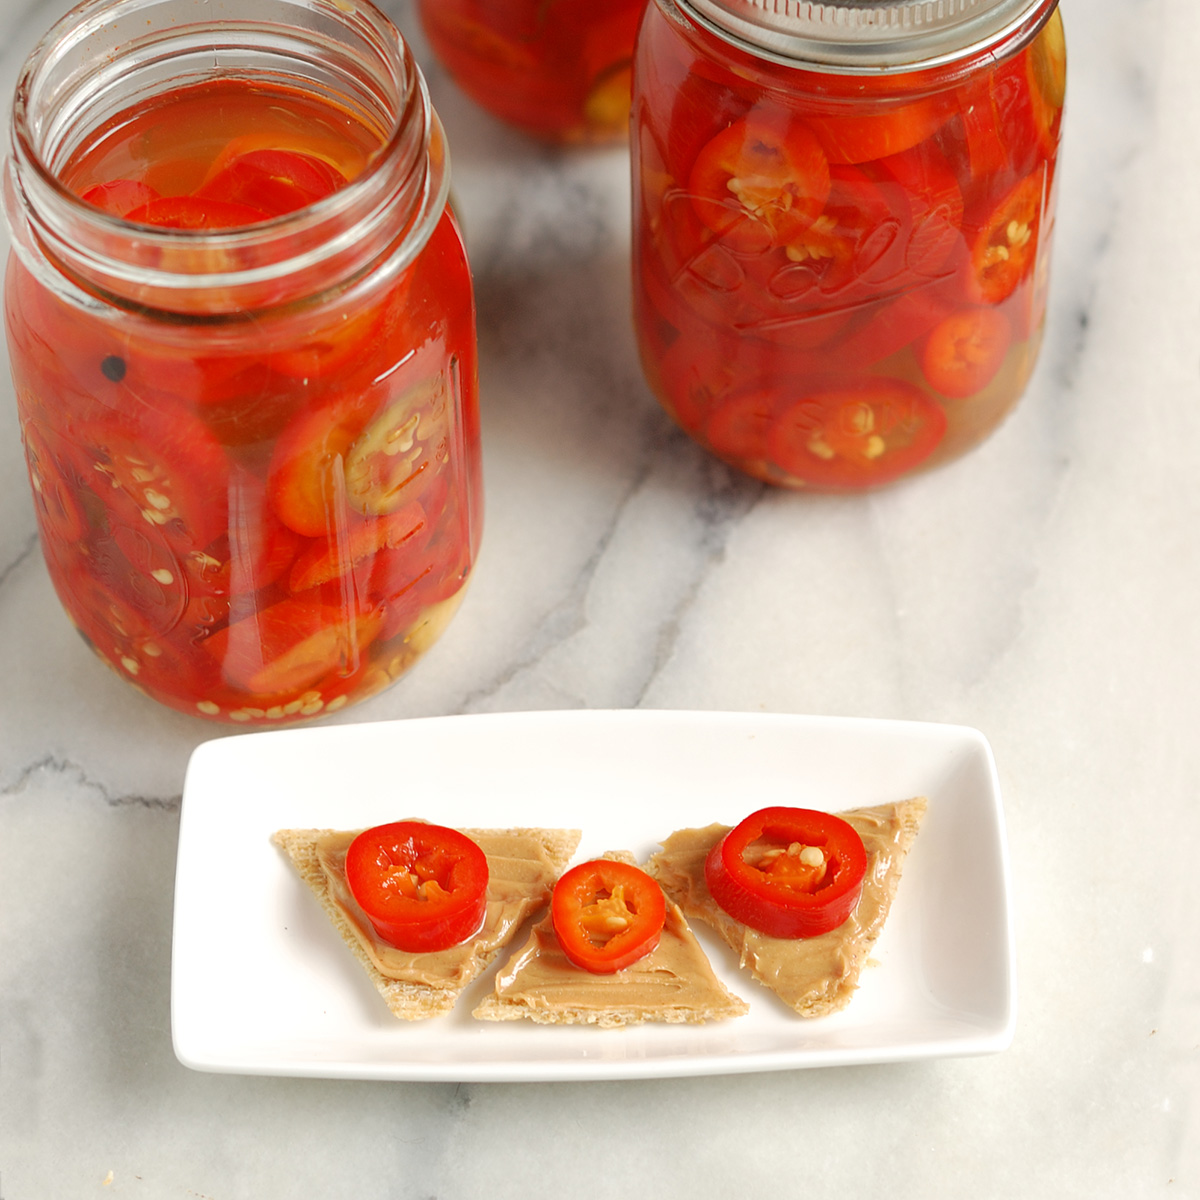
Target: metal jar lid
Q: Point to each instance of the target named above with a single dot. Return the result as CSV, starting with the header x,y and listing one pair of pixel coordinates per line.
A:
x,y
866,34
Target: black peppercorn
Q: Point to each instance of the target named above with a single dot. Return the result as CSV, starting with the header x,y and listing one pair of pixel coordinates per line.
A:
x,y
113,367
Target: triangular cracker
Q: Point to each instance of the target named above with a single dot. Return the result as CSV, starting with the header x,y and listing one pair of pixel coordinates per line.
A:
x,y
524,863
673,983
814,976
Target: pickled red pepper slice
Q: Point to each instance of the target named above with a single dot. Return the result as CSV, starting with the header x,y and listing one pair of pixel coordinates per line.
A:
x,y
248,188
423,887
858,433
273,181
190,212
607,915
788,872
965,350
888,129
1005,245
762,181
1046,68
120,196
292,644
55,492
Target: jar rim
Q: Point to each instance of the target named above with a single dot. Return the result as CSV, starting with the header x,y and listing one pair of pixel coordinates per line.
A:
x,y
336,239
867,36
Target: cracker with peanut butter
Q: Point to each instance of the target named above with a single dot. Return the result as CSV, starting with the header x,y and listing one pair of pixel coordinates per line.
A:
x,y
818,975
674,983
523,865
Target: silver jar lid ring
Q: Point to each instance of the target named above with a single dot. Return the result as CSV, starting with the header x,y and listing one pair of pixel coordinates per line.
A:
x,y
867,33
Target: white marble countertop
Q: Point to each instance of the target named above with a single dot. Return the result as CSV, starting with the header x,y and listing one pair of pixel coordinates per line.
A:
x,y
1043,590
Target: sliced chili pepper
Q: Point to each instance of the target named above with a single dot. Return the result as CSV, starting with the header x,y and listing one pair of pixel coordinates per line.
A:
x,y
406,582
411,580
160,466
987,152
242,404
963,353
760,182
607,915
696,375
788,872
273,181
292,645
423,887
858,434
739,427
189,212
1004,247
891,323
798,296
141,567
327,558
56,487
120,196
889,130
998,123
1046,67
930,187
126,638
759,293
363,450
306,479
701,106
347,338
256,549
856,246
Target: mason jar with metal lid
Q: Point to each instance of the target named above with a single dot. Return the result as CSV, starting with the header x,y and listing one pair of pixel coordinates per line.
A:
x,y
842,225
241,328
558,71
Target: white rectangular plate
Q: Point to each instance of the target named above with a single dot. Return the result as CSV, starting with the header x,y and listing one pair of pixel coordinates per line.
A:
x,y
262,984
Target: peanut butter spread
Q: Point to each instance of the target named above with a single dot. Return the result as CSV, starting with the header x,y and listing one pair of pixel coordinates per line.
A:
x,y
520,878
815,975
673,983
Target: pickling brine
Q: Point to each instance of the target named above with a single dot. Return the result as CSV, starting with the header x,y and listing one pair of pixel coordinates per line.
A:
x,y
556,69
241,329
841,237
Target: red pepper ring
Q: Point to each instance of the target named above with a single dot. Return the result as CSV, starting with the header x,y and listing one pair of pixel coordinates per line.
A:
x,y
607,915
803,876
423,887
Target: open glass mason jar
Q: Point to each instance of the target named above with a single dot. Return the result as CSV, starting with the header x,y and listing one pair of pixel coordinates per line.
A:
x,y
556,69
242,336
842,225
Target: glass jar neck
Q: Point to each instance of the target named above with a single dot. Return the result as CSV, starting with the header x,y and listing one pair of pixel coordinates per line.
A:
x,y
849,37
104,57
